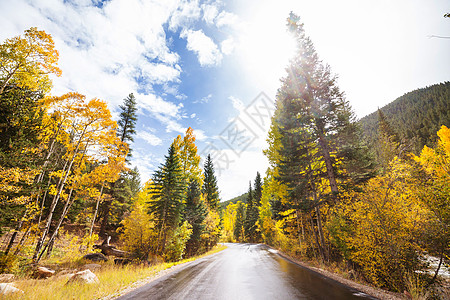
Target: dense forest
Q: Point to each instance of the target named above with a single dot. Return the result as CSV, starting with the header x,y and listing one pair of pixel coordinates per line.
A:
x,y
373,207
65,161
415,116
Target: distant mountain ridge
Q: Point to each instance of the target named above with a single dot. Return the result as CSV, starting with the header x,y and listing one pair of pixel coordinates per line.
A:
x,y
242,198
415,116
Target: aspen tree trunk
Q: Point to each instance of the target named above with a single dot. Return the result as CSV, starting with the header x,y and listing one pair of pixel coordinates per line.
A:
x,y
55,201
13,237
298,229
66,208
49,245
39,179
320,230
22,240
316,238
319,216
96,210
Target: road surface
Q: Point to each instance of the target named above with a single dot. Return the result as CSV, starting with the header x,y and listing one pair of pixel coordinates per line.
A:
x,y
244,271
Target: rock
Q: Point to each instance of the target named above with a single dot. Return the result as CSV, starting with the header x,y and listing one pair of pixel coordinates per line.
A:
x,y
6,277
8,288
65,275
95,257
85,276
43,272
407,294
91,267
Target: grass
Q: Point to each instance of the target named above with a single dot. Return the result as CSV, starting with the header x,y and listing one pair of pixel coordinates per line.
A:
x,y
112,279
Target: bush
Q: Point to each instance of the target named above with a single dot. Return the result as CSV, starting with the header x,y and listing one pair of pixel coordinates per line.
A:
x,y
175,247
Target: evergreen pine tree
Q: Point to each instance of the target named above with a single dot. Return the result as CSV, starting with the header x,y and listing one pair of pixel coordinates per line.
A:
x,y
258,190
210,189
195,212
125,131
389,144
21,114
319,151
168,193
239,222
127,122
249,218
316,125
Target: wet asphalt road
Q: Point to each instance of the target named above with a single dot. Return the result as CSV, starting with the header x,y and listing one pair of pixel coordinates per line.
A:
x,y
244,271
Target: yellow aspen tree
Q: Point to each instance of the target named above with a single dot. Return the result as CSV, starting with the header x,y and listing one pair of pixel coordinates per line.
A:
x,y
435,194
28,60
189,159
88,124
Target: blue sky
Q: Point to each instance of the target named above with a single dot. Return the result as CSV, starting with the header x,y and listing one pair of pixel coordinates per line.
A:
x,y
204,64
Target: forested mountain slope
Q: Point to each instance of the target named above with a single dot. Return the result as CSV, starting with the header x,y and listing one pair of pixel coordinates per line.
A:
x,y
242,198
415,116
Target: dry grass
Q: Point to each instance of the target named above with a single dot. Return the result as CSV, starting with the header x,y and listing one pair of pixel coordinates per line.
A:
x,y
112,278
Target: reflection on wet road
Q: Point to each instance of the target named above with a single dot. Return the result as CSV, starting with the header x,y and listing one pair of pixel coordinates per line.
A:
x,y
244,271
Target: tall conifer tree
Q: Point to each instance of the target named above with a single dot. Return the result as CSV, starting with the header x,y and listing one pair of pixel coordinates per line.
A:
x,y
127,122
195,212
258,189
210,189
125,131
168,194
239,223
316,124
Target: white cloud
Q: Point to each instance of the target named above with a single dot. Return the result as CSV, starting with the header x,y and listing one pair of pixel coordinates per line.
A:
x,y
200,135
105,52
156,105
237,103
227,46
207,51
160,73
210,12
193,115
226,19
205,99
150,138
186,12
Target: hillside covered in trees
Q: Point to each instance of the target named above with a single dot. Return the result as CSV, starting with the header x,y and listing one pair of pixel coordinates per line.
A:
x,y
242,198
415,116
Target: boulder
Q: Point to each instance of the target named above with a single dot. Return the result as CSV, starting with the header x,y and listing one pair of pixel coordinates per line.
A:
x,y
91,267
43,272
85,276
6,277
8,288
95,257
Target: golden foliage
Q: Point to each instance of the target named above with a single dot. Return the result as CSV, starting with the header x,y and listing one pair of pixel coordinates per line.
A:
x,y
27,61
138,232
